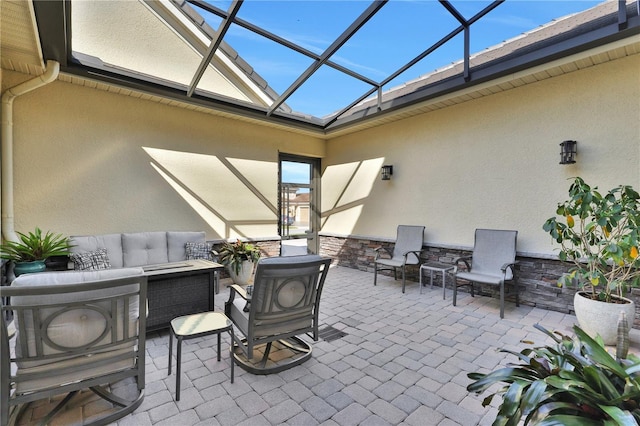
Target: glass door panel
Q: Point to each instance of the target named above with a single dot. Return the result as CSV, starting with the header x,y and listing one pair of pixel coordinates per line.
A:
x,y
298,213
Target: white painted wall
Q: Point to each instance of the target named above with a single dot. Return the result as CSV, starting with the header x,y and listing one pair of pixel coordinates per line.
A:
x,y
490,162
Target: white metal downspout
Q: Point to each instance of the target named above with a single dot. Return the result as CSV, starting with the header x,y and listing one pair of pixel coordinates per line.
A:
x,y
50,74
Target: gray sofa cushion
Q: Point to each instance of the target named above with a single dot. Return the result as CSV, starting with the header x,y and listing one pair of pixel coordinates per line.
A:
x,y
176,241
139,248
144,248
112,242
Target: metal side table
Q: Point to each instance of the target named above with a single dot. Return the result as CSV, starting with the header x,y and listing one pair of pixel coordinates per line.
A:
x,y
197,325
436,267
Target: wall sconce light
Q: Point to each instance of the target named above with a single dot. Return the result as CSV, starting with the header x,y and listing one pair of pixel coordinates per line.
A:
x,y
568,151
387,171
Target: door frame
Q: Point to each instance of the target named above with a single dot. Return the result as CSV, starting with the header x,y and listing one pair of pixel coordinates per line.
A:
x,y
313,244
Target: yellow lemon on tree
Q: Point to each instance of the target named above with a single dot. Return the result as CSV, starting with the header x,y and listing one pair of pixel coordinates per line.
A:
x,y
570,221
634,252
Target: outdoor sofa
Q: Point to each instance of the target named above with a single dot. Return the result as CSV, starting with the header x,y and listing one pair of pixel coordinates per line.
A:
x,y
182,277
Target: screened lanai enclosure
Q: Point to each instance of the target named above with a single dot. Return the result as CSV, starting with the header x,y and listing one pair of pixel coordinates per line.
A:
x,y
291,67
191,110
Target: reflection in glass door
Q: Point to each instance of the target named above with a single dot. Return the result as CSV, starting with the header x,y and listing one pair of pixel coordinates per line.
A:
x,y
298,205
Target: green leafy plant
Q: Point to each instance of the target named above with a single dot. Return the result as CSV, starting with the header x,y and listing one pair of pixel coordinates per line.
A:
x,y
233,254
574,382
35,246
599,234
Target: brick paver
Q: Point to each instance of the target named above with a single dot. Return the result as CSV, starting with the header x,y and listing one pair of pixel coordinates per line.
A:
x,y
404,361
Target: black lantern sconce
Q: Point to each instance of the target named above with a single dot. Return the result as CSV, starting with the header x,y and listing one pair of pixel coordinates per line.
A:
x,y
568,151
387,171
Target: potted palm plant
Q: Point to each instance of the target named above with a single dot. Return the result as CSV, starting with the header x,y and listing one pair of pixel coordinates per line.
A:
x,y
599,234
239,257
31,250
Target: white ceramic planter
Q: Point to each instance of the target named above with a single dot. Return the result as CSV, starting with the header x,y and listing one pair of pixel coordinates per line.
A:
x,y
244,276
596,317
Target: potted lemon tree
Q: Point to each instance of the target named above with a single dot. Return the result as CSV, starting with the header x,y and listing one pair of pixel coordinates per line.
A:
x,y
31,250
239,257
599,235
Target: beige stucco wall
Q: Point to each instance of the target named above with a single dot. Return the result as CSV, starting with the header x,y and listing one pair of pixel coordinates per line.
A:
x,y
490,162
88,161
129,35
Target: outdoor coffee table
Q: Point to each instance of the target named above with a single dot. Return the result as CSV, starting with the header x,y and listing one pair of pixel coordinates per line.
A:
x,y
436,267
197,325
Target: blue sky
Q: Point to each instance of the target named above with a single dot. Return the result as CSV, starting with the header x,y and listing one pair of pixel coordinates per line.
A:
x,y
293,172
400,31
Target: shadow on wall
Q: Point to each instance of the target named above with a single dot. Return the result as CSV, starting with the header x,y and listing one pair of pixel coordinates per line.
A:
x,y
237,198
345,187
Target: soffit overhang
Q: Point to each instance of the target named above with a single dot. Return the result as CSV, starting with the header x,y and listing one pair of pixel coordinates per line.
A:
x,y
19,44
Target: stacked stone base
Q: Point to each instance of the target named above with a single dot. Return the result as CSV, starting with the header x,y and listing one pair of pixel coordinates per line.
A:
x,y
537,277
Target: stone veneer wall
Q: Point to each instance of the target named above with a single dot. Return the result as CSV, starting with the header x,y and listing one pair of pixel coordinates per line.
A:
x,y
537,277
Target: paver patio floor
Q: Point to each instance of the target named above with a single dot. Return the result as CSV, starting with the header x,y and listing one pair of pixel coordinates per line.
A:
x,y
404,360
